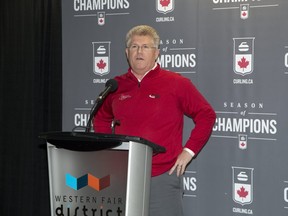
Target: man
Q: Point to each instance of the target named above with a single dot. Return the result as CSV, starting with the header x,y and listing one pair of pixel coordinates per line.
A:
x,y
151,102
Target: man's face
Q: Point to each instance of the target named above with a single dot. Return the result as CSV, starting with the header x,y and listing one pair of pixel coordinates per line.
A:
x,y
142,54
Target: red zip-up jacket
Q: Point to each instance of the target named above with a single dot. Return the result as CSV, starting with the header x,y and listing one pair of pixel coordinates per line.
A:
x,y
154,109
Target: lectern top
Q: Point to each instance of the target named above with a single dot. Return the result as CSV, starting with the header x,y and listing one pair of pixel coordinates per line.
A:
x,y
88,141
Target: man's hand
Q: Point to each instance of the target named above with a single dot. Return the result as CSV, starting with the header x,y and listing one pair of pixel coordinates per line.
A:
x,y
180,165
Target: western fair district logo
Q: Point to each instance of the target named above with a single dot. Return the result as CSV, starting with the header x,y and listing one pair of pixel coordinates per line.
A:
x,y
88,179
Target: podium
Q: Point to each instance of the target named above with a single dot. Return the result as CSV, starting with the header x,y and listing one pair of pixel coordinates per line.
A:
x,y
94,174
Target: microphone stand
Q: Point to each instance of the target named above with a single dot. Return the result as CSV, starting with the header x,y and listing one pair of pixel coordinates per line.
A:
x,y
94,109
111,86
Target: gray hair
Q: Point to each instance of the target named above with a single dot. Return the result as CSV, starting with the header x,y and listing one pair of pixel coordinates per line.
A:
x,y
143,30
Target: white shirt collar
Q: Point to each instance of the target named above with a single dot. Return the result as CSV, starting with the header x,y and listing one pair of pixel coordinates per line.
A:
x,y
139,80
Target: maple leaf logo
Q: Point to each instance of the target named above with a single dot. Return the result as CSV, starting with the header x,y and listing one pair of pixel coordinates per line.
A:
x,y
101,64
242,192
243,63
164,3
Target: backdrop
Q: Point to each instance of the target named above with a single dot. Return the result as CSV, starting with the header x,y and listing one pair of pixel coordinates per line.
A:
x,y
235,52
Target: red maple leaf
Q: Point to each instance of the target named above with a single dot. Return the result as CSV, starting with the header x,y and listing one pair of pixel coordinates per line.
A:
x,y
164,3
242,192
244,14
101,65
243,63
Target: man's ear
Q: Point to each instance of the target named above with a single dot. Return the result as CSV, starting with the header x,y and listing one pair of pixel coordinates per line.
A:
x,y
157,55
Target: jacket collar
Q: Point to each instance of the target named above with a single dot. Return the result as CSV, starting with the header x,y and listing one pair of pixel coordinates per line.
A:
x,y
149,74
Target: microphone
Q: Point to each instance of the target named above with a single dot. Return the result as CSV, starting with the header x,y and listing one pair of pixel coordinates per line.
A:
x,y
111,86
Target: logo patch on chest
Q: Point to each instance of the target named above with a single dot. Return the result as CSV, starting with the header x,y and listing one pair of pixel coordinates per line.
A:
x,y
124,97
154,96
